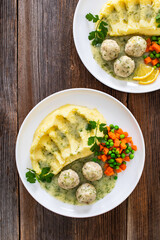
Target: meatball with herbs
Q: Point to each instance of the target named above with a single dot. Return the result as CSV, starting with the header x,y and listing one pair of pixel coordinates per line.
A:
x,y
92,171
109,49
136,46
86,193
124,66
68,179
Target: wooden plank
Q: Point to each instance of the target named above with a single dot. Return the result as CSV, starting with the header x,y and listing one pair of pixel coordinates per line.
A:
x,y
48,62
144,203
9,217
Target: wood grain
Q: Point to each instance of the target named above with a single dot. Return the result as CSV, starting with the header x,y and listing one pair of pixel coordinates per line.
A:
x,y
9,208
144,203
48,62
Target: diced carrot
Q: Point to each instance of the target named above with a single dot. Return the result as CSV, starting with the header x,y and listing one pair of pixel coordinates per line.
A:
x,y
123,166
99,157
108,128
119,160
105,150
101,147
155,61
123,145
120,151
120,131
156,47
103,144
125,134
106,165
147,60
117,135
119,170
112,135
124,141
134,147
127,159
116,142
109,171
151,48
108,157
128,139
103,158
147,49
149,43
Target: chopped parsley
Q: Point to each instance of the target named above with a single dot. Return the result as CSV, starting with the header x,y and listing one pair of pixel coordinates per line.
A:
x,y
44,176
158,19
99,35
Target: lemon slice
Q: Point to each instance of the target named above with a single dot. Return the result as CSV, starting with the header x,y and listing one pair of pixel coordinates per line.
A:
x,y
151,78
142,72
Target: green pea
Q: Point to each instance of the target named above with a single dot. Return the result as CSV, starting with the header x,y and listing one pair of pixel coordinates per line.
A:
x,y
111,165
132,151
151,55
123,155
122,136
110,140
118,164
157,55
124,162
158,42
118,155
113,155
116,127
114,149
154,67
111,144
109,152
127,151
117,167
106,137
111,126
115,177
116,152
144,56
107,143
154,38
127,144
154,52
131,156
111,161
112,130
114,163
158,65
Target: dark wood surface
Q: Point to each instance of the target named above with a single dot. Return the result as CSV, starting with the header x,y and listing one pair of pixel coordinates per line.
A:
x,y
38,58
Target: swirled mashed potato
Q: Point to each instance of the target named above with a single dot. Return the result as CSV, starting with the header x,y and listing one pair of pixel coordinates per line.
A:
x,y
62,138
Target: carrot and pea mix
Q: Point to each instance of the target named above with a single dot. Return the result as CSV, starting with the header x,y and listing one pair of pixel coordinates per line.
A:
x,y
152,55
115,148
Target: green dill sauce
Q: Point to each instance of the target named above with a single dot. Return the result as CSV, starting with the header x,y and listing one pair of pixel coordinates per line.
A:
x,y
108,66
103,186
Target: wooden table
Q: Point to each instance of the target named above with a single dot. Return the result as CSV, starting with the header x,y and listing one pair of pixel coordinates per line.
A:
x,y
38,58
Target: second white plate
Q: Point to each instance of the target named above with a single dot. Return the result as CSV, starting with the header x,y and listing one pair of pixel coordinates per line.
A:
x,y
81,29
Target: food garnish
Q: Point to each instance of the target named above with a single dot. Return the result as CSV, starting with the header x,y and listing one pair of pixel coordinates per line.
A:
x,y
115,148
142,72
44,176
151,78
99,35
158,19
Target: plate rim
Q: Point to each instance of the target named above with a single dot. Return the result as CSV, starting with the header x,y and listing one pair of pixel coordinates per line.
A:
x,y
72,90
94,75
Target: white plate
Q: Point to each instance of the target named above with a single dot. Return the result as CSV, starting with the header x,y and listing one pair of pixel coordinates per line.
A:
x,y
81,29
114,112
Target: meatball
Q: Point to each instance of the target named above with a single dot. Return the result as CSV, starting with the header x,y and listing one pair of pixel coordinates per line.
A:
x,y
68,179
136,46
124,66
109,49
86,193
92,171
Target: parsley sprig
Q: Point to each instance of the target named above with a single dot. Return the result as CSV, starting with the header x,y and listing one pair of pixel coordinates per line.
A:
x,y
158,19
44,176
99,35
94,140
